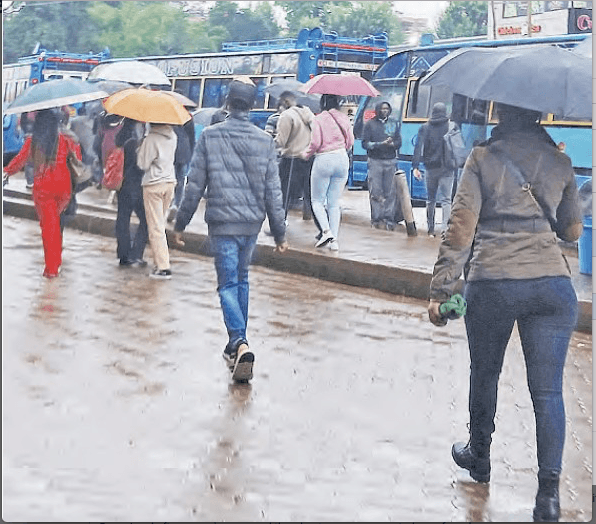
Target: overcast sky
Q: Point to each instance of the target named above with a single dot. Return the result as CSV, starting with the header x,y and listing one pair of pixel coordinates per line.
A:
x,y
430,10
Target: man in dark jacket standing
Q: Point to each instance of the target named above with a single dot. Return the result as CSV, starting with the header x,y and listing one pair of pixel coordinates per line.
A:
x,y
381,139
439,178
235,162
184,148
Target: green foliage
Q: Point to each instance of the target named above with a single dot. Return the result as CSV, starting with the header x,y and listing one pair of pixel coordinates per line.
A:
x,y
133,29
244,24
53,25
463,19
355,19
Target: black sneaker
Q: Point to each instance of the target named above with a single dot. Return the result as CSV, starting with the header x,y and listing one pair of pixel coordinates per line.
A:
x,y
245,359
229,355
161,274
125,262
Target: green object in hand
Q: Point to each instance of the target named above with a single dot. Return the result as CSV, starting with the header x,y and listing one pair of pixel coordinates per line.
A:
x,y
454,308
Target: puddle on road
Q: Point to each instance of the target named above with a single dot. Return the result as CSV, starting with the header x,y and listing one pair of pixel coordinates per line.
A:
x,y
118,406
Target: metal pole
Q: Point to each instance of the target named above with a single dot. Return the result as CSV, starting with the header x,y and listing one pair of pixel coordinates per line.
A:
x,y
529,19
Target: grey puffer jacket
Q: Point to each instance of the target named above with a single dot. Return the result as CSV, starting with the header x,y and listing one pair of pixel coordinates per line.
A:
x,y
499,224
235,166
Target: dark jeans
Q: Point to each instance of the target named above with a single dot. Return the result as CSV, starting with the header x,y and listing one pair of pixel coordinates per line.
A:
x,y
294,174
546,313
129,201
181,170
232,255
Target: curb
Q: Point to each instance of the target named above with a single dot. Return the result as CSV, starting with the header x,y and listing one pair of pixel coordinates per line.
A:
x,y
397,281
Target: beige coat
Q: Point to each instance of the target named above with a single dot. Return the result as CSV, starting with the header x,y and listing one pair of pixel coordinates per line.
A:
x,y
498,225
293,131
156,153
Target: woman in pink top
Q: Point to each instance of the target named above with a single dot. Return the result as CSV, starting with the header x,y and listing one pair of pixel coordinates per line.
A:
x,y
331,138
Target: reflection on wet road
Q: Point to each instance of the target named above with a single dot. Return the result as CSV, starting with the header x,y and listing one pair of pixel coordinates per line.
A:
x,y
117,405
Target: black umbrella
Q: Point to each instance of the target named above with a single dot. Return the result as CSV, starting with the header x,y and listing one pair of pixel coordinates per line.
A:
x,y
276,88
544,78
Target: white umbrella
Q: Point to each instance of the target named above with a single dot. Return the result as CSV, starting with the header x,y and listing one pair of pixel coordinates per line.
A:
x,y
131,71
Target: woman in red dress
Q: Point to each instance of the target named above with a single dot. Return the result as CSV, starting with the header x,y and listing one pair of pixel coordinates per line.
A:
x,y
47,148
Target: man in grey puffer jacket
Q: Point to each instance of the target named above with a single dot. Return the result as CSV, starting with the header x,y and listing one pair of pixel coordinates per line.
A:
x,y
236,162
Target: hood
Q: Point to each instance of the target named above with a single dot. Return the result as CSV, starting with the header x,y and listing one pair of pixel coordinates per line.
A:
x,y
378,109
164,130
439,113
305,114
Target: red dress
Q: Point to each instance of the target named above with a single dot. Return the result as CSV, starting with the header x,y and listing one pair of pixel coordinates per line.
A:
x,y
52,190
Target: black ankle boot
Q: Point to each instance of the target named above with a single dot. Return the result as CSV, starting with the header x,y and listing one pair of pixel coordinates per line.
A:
x,y
475,459
547,507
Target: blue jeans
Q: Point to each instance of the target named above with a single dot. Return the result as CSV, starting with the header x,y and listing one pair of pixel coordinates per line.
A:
x,y
546,313
439,186
328,179
181,170
232,255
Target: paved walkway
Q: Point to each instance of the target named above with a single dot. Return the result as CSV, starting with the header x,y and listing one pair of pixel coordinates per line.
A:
x,y
388,261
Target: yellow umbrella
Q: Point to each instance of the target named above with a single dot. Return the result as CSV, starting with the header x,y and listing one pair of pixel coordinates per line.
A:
x,y
146,105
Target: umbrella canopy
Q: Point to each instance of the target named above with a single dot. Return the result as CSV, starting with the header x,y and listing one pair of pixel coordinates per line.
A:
x,y
276,88
132,71
146,105
184,100
548,79
342,85
110,86
203,116
54,93
584,48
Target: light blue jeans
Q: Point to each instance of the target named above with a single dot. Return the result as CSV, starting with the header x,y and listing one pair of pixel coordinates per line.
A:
x,y
328,179
232,256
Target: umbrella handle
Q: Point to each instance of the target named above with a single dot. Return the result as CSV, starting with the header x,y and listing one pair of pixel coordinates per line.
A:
x,y
288,188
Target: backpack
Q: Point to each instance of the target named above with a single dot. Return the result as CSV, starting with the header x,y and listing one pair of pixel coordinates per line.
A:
x,y
455,152
114,170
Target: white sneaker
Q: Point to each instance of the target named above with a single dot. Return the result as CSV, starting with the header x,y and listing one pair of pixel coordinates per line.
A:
x,y
325,239
333,245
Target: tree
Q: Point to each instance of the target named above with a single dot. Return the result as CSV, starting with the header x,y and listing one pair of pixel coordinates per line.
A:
x,y
55,25
463,19
244,24
356,19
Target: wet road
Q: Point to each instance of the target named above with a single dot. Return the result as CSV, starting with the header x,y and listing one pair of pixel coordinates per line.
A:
x,y
117,405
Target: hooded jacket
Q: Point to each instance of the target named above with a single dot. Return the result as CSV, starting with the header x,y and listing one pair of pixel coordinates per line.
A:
x,y
497,225
293,131
156,153
376,131
236,164
429,144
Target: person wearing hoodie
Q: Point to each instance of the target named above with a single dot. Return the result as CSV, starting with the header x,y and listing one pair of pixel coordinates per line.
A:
x,y
155,157
439,178
292,139
381,139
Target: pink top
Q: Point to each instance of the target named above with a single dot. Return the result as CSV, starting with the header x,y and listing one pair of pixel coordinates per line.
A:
x,y
331,131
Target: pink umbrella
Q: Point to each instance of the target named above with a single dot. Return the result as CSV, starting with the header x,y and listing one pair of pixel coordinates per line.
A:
x,y
342,85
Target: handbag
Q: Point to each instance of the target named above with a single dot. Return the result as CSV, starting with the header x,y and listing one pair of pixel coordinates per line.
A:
x,y
114,170
79,172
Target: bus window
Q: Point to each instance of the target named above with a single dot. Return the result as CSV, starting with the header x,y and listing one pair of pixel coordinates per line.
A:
x,y
216,90
427,97
469,110
261,83
190,88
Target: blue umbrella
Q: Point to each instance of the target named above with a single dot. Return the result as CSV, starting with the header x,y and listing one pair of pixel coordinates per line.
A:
x,y
54,93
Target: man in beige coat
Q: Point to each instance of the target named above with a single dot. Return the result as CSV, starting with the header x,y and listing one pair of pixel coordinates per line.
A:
x,y
156,158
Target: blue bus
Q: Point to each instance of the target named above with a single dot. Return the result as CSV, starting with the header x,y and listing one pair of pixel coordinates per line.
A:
x,y
204,77
42,65
395,79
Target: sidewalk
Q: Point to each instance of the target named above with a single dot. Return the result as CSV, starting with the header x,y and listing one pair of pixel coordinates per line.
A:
x,y
388,261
